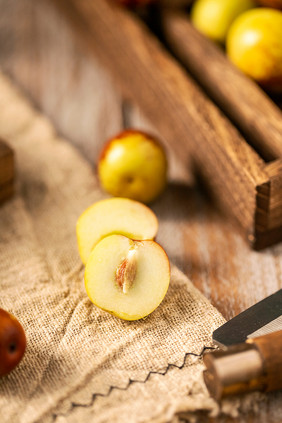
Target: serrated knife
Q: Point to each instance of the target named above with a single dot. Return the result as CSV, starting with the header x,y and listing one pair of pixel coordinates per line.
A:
x,y
251,355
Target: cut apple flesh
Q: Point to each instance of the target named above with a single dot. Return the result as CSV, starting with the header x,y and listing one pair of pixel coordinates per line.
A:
x,y
127,278
114,216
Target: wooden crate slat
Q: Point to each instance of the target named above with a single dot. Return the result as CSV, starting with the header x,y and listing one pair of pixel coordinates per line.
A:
x,y
178,109
241,99
274,170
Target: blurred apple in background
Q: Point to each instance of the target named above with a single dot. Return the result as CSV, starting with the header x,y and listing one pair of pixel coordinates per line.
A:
x,y
12,342
133,164
254,45
214,17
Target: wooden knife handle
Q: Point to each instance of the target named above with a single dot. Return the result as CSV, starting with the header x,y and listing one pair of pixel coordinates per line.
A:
x,y
253,365
270,349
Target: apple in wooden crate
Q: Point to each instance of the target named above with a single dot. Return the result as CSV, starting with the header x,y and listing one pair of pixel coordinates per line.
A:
x,y
214,17
254,45
127,278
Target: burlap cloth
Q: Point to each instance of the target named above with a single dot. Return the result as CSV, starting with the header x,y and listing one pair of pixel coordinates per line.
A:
x,y
81,363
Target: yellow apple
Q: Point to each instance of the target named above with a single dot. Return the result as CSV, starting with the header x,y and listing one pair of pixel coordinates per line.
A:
x,y
127,278
114,216
214,17
254,45
133,165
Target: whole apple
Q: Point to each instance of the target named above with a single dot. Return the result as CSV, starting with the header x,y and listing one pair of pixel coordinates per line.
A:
x,y
214,17
133,164
254,45
12,342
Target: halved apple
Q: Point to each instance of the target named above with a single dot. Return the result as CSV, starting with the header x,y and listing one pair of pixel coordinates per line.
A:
x,y
127,278
114,216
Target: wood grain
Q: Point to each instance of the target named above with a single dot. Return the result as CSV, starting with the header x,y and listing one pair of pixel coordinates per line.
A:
x,y
28,54
169,98
241,99
274,170
268,218
270,348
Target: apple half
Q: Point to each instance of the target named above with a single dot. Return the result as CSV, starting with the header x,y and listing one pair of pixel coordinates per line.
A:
x,y
114,216
127,278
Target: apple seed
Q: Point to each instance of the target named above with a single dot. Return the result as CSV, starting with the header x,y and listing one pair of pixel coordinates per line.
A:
x,y
126,271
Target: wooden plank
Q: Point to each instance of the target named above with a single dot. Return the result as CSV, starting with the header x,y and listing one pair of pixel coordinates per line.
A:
x,y
240,98
169,98
41,63
274,170
268,218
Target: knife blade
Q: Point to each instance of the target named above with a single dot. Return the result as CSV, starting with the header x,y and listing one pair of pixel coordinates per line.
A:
x,y
259,318
252,355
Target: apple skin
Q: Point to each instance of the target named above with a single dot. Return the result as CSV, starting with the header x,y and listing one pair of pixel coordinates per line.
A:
x,y
214,17
254,45
12,342
133,165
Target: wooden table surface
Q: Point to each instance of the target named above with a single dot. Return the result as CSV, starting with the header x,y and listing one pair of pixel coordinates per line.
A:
x,y
38,50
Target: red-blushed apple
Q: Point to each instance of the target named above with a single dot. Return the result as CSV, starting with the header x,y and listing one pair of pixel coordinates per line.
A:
x,y
133,164
214,17
114,216
254,45
12,342
127,278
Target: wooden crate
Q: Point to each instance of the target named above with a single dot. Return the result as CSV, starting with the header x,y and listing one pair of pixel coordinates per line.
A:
x,y
6,171
245,179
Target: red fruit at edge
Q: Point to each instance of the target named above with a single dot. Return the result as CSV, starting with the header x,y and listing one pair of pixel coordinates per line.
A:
x,y
12,342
